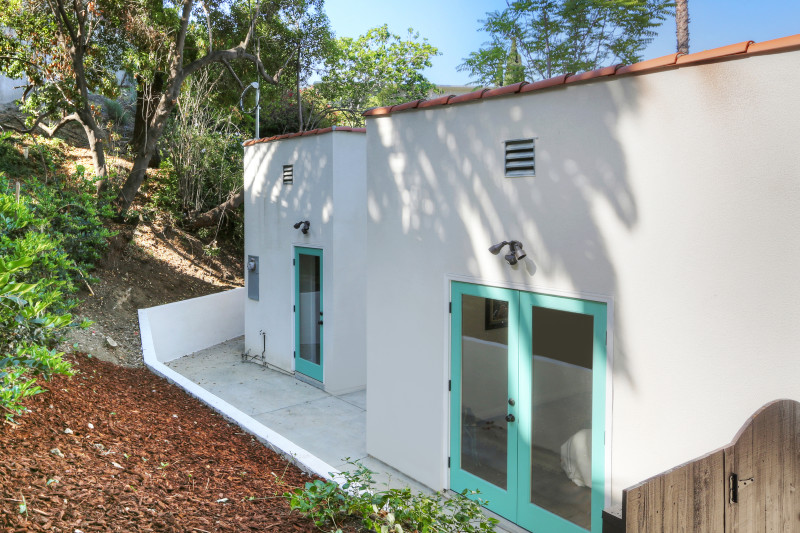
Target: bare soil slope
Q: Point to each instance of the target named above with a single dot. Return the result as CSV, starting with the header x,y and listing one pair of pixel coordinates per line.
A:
x,y
150,264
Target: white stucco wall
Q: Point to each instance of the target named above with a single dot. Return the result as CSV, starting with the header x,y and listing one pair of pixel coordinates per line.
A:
x,y
329,189
176,329
672,196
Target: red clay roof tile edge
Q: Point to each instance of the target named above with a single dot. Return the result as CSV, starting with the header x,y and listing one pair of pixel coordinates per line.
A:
x,y
508,89
407,105
468,97
377,111
596,73
442,100
319,131
775,45
650,65
714,53
647,66
544,84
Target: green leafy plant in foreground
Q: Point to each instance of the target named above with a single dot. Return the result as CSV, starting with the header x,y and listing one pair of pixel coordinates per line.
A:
x,y
21,310
328,504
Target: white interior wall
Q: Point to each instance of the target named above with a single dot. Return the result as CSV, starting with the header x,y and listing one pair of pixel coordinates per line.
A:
x,y
326,196
672,195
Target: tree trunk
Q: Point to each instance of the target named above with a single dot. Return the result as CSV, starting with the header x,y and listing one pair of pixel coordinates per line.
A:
x,y
682,25
146,148
213,216
98,156
147,98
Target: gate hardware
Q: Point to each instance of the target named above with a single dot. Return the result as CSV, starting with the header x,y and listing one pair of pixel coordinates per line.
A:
x,y
735,484
510,418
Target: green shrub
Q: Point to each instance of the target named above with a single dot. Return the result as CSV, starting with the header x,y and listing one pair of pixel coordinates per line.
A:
x,y
116,112
25,326
389,511
49,240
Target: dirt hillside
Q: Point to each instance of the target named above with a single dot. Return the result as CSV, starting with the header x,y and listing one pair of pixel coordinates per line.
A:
x,y
149,264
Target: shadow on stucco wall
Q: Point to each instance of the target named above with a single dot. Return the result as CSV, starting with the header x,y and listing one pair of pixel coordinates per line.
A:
x,y
446,165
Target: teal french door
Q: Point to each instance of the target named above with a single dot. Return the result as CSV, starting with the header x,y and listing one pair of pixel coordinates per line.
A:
x,y
308,352
528,406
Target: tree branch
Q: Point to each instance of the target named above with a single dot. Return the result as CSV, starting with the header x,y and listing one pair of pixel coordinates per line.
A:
x,y
61,16
230,69
237,52
181,41
49,130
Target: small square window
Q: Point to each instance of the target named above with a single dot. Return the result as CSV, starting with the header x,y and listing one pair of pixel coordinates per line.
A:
x,y
288,173
520,160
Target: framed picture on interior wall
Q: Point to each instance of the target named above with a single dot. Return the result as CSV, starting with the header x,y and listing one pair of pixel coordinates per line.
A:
x,y
496,314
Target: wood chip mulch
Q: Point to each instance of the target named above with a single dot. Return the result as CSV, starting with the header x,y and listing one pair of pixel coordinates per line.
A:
x,y
120,449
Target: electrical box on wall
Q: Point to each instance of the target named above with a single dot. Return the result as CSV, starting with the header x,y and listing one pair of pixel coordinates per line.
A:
x,y
252,277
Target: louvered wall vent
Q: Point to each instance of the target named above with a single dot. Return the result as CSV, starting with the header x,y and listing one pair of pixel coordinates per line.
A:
x,y
520,159
288,173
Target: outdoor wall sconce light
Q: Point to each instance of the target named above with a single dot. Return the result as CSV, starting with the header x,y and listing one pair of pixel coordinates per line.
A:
x,y
305,223
515,251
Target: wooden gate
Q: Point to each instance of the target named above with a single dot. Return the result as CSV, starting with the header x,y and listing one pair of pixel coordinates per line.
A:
x,y
750,486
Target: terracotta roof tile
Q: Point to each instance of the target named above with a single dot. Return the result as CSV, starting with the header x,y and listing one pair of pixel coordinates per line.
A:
x,y
714,53
408,105
468,97
784,43
508,89
596,73
377,111
544,84
442,100
304,134
667,62
650,64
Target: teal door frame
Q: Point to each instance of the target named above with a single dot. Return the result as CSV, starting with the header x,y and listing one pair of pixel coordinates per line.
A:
x,y
502,502
301,365
514,503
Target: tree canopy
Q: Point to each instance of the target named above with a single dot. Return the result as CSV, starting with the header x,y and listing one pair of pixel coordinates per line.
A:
x,y
378,68
553,37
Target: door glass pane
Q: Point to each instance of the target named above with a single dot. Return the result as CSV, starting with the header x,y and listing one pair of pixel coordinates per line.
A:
x,y
309,308
484,388
561,448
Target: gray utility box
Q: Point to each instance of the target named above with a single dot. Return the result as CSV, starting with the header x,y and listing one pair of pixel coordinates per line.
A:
x,y
252,277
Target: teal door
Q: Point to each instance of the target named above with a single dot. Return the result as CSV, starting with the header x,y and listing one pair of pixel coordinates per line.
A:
x,y
308,323
528,405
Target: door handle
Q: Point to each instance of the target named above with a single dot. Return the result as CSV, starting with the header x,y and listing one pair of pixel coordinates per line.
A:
x,y
320,322
510,418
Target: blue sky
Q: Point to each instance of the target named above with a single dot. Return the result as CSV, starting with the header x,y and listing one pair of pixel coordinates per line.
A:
x,y
452,26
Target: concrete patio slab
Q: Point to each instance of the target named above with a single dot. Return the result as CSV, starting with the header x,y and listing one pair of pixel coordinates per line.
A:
x,y
333,428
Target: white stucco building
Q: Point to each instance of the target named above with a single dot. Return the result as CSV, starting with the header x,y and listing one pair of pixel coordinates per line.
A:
x,y
641,302
305,309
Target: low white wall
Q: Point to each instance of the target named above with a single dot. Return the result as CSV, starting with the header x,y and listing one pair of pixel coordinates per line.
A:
x,y
180,328
155,324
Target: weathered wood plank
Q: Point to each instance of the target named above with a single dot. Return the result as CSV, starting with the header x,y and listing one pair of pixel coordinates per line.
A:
x,y
695,497
766,450
676,495
708,494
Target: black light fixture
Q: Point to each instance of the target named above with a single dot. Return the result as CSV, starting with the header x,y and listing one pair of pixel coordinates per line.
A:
x,y
306,225
515,251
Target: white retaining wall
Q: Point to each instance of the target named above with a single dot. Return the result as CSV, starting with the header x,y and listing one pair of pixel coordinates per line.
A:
x,y
173,330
